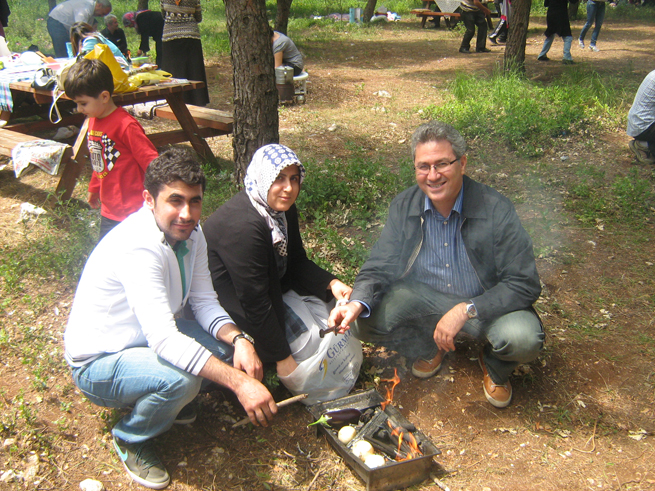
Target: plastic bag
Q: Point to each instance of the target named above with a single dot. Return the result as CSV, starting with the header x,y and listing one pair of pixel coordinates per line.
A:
x,y
327,367
151,77
103,53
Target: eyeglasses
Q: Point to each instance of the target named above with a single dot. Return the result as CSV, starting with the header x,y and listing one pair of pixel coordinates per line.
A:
x,y
424,169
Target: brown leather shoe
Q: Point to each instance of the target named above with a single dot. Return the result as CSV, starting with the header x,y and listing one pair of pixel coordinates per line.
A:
x,y
498,395
426,368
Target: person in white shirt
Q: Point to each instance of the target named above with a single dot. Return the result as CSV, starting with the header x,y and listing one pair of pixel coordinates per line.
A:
x,y
126,342
641,121
64,15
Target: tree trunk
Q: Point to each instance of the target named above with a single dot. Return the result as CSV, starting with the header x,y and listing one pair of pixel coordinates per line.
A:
x,y
255,95
518,30
142,5
51,4
282,17
369,10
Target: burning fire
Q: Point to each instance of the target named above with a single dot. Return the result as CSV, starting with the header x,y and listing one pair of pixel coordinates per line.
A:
x,y
394,381
407,437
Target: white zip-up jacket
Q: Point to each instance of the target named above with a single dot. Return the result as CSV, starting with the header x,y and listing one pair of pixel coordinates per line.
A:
x,y
130,291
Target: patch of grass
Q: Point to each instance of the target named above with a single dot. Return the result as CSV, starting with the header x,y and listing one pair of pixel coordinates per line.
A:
x,y
628,198
56,250
527,115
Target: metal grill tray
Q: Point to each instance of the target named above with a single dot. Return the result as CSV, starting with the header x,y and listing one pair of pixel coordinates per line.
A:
x,y
393,475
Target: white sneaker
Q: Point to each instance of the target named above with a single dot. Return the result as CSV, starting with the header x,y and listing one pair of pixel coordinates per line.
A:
x,y
581,43
594,48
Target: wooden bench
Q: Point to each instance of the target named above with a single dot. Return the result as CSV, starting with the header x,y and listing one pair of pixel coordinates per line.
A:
x,y
211,122
8,141
424,14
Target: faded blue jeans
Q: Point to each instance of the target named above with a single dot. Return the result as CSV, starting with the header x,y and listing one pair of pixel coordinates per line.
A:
x,y
406,318
596,15
139,379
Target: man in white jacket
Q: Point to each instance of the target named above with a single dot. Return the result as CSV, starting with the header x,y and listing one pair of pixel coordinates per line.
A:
x,y
125,342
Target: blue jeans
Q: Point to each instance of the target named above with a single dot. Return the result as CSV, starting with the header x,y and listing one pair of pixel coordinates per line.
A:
x,y
595,14
406,318
60,36
139,379
548,42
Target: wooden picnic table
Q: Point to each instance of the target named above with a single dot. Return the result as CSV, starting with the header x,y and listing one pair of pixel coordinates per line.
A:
x,y
173,93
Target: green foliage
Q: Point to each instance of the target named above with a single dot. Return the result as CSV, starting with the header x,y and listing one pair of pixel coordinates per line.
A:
x,y
529,115
627,198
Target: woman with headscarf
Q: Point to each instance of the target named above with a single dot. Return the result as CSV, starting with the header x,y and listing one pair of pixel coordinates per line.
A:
x,y
182,46
256,256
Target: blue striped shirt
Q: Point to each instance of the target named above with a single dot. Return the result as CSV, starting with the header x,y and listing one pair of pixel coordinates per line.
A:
x,y
442,262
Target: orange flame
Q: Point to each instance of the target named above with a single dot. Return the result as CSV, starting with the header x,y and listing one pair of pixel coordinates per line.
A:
x,y
413,451
394,381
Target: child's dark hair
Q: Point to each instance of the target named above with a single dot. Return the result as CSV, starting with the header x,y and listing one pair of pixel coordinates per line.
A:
x,y
174,164
88,78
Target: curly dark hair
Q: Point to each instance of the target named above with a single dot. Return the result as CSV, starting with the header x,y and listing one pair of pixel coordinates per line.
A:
x,y
174,164
88,78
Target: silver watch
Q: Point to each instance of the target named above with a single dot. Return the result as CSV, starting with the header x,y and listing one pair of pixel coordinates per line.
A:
x,y
471,311
243,335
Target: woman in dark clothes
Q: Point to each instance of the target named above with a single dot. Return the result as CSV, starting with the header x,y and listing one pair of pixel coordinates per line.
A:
x,y
182,47
256,257
148,24
557,23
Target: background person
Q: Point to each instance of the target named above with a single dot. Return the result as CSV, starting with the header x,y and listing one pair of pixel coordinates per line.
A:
x,y
596,16
4,16
453,256
557,23
641,121
84,38
124,342
183,56
148,24
285,53
256,255
114,33
474,14
64,15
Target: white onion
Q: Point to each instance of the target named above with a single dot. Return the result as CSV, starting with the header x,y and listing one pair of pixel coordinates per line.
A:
x,y
374,460
346,434
362,448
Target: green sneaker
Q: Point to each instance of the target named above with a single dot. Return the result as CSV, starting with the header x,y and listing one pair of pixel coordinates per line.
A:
x,y
142,464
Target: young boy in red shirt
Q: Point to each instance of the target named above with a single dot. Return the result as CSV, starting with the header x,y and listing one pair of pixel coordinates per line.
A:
x,y
119,149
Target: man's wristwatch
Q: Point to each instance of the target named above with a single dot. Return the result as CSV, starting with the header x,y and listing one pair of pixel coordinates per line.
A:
x,y
471,311
244,336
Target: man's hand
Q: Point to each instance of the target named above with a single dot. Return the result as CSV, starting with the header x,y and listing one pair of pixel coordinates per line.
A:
x,y
93,200
245,359
448,327
342,315
340,290
253,396
257,401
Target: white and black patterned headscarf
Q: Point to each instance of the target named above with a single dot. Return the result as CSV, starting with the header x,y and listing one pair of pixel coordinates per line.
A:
x,y
264,168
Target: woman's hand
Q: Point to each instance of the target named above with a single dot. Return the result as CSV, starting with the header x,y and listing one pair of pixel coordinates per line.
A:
x,y
340,290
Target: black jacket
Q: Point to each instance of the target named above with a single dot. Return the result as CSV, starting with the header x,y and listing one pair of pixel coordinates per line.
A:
x,y
242,262
499,248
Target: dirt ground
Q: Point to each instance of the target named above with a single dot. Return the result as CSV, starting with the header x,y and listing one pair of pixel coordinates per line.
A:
x,y
583,414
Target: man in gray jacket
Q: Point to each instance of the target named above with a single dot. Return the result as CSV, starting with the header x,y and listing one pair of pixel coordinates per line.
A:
x,y
453,256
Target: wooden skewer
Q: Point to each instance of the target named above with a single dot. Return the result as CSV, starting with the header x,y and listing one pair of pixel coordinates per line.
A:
x,y
280,404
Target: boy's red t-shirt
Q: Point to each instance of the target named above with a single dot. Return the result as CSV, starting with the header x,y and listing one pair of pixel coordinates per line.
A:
x,y
120,153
